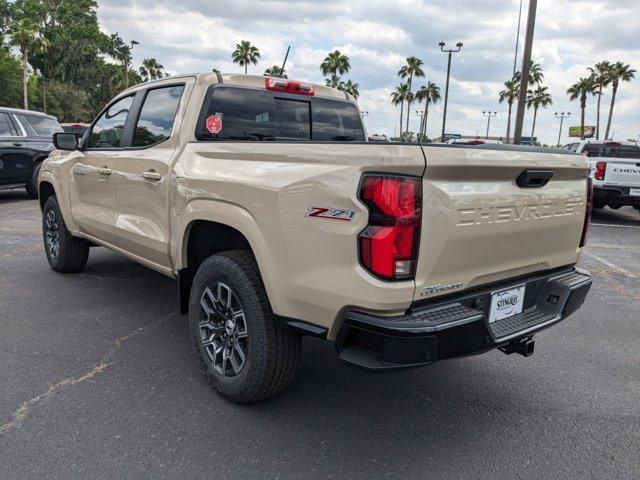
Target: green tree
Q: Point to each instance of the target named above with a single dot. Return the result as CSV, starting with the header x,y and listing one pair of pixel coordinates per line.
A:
x,y
601,79
151,69
398,97
579,91
335,64
618,72
509,95
429,93
11,92
24,34
536,76
536,99
351,88
413,68
245,53
273,70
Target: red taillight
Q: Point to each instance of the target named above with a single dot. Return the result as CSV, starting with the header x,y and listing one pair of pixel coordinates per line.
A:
x,y
389,245
587,213
289,86
601,170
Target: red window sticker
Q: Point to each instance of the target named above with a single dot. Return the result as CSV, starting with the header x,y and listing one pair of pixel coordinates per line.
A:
x,y
214,124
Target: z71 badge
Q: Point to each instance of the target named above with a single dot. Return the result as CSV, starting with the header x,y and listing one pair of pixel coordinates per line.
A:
x,y
330,213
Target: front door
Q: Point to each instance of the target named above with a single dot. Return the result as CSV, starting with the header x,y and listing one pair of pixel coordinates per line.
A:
x,y
142,176
92,189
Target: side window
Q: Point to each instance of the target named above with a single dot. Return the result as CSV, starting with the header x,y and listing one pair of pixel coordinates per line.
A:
x,y
109,129
293,119
574,147
6,126
157,116
238,114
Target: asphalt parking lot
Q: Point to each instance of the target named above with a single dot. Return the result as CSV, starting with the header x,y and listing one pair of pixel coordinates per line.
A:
x,y
98,380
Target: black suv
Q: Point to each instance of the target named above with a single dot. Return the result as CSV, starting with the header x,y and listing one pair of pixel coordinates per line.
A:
x,y
25,141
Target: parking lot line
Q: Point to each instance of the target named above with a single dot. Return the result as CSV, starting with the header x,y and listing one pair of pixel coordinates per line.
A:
x,y
612,266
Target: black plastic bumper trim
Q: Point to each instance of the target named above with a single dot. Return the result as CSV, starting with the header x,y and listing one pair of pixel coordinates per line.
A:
x,y
460,325
300,326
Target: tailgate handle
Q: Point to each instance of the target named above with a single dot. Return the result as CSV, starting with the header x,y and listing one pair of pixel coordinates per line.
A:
x,y
534,178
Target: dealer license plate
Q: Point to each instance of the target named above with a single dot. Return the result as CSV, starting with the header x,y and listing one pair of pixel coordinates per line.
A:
x,y
506,303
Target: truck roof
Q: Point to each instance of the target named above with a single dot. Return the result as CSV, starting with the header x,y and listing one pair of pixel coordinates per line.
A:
x,y
256,81
19,111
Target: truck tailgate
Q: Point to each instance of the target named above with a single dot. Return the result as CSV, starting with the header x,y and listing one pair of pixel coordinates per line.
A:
x,y
479,226
622,172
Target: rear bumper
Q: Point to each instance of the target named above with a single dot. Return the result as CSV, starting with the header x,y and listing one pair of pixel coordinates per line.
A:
x,y
615,196
458,325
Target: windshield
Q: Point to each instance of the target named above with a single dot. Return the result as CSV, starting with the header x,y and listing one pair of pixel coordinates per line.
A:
x,y
39,126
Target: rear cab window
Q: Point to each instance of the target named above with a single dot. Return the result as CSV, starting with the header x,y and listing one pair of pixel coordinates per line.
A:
x,y
246,114
157,116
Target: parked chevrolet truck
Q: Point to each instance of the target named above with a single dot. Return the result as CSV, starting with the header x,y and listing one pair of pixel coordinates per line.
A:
x,y
262,198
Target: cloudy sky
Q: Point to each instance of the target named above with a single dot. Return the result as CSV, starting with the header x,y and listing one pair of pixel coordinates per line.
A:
x,y
196,35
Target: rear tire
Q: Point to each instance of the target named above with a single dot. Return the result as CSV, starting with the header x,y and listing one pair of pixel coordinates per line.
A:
x,y
66,253
245,355
32,186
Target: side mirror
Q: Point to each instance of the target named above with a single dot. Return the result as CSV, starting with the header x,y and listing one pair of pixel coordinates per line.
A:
x,y
65,141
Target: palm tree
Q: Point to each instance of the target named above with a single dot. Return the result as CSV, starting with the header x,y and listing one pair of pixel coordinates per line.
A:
x,y
509,95
215,70
538,98
151,69
351,88
335,63
579,91
273,70
600,74
430,94
413,68
398,96
245,53
618,72
24,35
535,74
120,51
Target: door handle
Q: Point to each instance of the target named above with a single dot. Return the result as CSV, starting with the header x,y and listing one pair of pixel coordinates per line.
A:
x,y
106,171
152,175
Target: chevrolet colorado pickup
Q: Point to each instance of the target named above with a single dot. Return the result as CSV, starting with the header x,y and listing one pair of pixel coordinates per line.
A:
x,y
262,198
615,171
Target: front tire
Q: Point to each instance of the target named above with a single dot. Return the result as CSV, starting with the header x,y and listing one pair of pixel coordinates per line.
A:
x,y
66,253
245,355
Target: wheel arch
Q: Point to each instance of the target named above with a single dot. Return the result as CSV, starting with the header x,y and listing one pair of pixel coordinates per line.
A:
x,y
209,227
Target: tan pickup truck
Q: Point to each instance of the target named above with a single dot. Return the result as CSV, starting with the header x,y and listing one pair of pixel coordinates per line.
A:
x,y
262,198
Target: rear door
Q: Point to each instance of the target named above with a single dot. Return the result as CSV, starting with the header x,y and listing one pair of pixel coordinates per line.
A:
x,y
479,226
141,173
15,157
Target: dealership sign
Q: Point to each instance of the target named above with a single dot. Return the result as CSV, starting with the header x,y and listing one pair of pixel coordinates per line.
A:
x,y
575,132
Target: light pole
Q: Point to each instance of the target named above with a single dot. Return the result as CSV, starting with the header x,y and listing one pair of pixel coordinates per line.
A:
x,y
561,116
446,93
489,116
419,114
524,72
